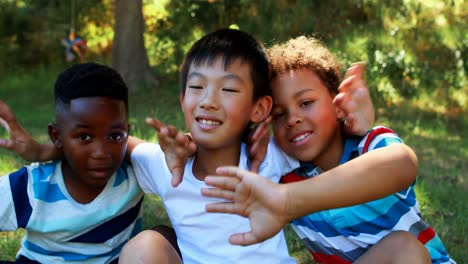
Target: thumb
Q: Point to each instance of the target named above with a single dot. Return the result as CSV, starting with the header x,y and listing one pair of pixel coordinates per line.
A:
x,y
7,144
177,175
5,125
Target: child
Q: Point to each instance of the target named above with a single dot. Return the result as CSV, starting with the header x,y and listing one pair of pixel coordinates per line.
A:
x,y
86,206
225,86
305,76
224,72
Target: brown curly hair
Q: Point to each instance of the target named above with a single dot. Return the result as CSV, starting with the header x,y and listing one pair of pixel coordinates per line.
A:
x,y
309,53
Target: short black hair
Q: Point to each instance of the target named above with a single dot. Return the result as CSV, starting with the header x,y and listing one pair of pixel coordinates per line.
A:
x,y
231,44
89,80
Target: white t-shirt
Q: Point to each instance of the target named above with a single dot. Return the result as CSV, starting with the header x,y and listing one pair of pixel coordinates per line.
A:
x,y
203,237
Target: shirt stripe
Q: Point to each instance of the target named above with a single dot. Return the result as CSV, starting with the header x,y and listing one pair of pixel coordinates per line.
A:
x,y
342,235
23,209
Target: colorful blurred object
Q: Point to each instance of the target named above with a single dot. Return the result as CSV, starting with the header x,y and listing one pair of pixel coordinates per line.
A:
x,y
74,47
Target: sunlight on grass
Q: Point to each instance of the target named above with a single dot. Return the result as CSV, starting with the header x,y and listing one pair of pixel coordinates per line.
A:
x,y
9,244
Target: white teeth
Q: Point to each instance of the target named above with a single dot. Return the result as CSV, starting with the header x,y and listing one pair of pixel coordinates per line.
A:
x,y
209,122
301,137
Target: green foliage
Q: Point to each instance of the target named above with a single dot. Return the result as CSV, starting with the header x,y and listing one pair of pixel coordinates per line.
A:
x,y
31,31
413,48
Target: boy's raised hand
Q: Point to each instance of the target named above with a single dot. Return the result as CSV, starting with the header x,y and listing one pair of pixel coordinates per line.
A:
x,y
258,144
249,195
354,102
177,147
20,140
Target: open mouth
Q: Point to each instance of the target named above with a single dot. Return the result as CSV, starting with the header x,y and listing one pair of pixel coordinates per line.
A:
x,y
301,137
209,122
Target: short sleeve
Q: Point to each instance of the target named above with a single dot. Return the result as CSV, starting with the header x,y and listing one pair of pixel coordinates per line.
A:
x,y
150,167
276,163
15,208
378,137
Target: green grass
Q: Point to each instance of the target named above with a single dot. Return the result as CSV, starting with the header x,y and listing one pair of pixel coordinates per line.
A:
x,y
439,142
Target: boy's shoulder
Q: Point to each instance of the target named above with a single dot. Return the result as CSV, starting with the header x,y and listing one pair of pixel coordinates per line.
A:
x,y
37,171
377,137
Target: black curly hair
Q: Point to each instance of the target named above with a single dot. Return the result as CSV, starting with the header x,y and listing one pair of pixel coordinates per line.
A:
x,y
89,80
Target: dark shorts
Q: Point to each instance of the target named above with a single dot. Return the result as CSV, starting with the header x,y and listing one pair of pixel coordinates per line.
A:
x,y
169,234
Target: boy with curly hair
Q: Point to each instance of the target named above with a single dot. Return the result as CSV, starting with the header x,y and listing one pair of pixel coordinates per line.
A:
x,y
305,76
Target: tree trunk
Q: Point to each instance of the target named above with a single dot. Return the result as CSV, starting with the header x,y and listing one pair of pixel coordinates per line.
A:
x,y
129,56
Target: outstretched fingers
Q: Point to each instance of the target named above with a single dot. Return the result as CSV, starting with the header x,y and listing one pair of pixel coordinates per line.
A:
x,y
244,239
226,182
224,188
5,143
357,69
354,105
155,123
11,125
176,146
222,207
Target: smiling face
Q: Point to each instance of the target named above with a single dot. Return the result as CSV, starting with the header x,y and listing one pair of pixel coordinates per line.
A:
x,y
304,118
218,103
92,132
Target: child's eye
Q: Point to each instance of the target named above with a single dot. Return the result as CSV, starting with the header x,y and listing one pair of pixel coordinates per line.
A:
x,y
84,137
195,87
277,114
232,90
306,102
118,136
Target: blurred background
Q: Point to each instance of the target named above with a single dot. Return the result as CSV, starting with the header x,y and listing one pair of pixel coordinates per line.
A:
x,y
416,53
413,48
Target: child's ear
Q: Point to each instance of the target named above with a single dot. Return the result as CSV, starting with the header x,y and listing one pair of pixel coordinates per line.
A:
x,y
181,100
54,134
262,109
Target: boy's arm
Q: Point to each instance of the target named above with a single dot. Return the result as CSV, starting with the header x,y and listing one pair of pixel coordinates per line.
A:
x,y
354,101
21,142
270,206
177,147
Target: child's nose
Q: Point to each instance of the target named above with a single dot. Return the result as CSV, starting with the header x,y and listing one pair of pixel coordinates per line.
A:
x,y
100,151
210,99
294,120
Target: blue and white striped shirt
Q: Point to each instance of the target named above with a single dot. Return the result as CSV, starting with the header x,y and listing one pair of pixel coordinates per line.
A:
x,y
57,228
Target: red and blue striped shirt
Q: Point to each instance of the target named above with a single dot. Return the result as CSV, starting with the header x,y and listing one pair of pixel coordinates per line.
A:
x,y
342,235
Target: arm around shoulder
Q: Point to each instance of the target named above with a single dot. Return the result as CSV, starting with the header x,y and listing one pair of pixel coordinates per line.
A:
x,y
369,177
